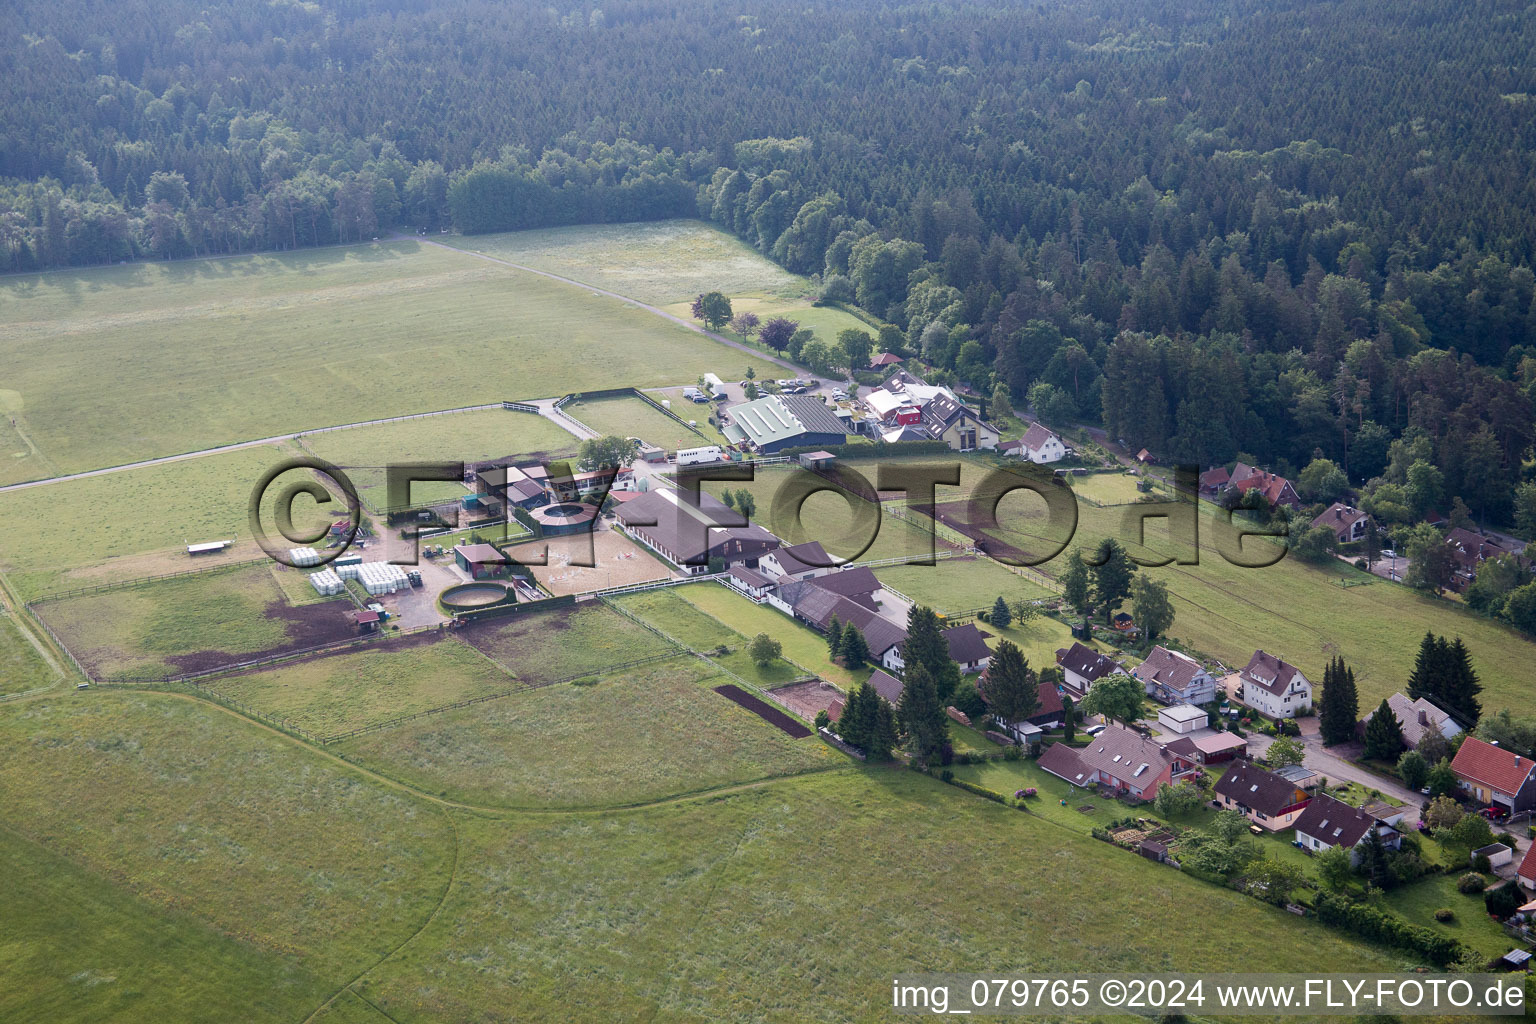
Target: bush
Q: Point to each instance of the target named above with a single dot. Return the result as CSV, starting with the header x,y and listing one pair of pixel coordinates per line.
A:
x,y
946,775
1471,884
1012,753
1445,915
585,681
1482,865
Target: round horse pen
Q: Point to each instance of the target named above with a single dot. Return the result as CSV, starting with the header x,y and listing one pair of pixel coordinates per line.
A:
x,y
474,595
564,518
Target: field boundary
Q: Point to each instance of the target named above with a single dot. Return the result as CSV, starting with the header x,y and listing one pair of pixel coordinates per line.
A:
x,y
120,584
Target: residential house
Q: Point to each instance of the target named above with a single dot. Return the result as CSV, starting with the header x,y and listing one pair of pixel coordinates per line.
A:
x,y
883,360
1470,550
1272,687
1264,798
1214,481
1081,667
1346,523
1048,715
797,562
1494,776
1173,677
967,648
687,536
1276,490
1328,822
886,685
1040,445
1525,874
769,425
1414,718
947,420
750,582
1211,748
1119,759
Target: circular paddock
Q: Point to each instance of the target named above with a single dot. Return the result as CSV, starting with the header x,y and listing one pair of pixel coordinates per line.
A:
x,y
474,595
564,517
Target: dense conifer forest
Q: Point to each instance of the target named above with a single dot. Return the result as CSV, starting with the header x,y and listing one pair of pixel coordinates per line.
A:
x,y
1270,229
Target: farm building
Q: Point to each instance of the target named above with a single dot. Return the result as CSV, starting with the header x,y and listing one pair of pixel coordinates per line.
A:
x,y
208,547
817,460
688,536
769,425
510,485
481,561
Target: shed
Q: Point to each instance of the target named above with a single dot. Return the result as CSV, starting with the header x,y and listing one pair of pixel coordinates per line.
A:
x,y
1182,718
817,460
480,561
1497,853
367,621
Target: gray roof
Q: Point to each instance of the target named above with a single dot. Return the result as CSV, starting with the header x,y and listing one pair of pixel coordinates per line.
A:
x,y
1168,668
667,524
1087,663
886,685
800,557
966,644
855,582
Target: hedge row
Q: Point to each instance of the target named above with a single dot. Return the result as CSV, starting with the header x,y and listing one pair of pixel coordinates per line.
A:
x,y
1368,922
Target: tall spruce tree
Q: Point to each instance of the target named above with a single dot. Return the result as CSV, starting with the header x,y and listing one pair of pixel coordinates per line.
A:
x,y
853,724
1112,576
881,738
1461,685
1012,691
1383,734
1075,582
1001,613
834,639
1375,865
855,649
927,647
1424,680
1339,707
921,714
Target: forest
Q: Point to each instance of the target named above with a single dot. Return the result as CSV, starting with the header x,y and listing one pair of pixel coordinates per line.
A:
x,y
1282,231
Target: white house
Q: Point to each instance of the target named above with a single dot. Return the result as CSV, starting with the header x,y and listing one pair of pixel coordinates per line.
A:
x,y
799,562
1082,667
1328,822
1173,677
1272,687
1041,445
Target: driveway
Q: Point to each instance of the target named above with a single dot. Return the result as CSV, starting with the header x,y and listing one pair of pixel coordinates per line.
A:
x,y
1335,767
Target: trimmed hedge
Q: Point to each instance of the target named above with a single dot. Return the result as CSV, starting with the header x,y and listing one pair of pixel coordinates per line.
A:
x,y
1370,923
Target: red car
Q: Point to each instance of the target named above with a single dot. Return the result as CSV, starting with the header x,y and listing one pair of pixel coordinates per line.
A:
x,y
1494,813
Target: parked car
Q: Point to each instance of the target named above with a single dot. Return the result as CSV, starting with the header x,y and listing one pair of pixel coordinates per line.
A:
x,y
1094,730
1494,813
1388,553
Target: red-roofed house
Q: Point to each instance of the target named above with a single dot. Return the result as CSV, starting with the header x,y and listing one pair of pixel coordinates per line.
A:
x,y
1526,874
1276,490
1213,480
1492,775
1346,523
885,359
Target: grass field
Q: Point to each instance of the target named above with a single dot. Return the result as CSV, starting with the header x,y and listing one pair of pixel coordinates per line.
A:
x,y
802,645
679,619
467,437
799,901
1108,488
253,346
339,692
957,584
132,524
633,417
21,666
191,623
538,647
203,817
642,735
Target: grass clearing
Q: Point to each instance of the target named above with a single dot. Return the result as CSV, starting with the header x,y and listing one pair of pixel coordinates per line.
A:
x,y
543,646
826,878
679,619
335,693
252,344
958,584
1419,901
802,645
194,810
21,666
633,417
468,437
1108,488
642,735
190,623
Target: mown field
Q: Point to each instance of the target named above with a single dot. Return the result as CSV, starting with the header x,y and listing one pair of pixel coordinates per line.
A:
x,y
637,736
190,623
539,647
669,612
468,437
632,417
340,692
200,353
957,584
803,646
164,848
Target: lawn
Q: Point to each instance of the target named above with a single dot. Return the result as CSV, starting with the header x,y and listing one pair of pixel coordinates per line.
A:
x,y
642,735
958,584
633,417
135,523
22,666
799,901
190,623
543,646
1419,901
679,619
339,692
468,437
262,345
1107,488
198,816
802,645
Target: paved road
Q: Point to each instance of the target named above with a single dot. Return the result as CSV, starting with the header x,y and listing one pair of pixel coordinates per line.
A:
x,y
1321,759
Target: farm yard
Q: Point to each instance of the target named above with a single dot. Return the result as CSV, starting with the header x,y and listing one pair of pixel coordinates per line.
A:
x,y
633,417
190,623
635,736
616,559
356,689
470,437
252,343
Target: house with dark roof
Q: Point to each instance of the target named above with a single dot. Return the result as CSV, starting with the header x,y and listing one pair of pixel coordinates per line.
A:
x,y
1347,523
1264,798
1119,759
1048,715
818,607
797,562
1210,748
750,582
1494,776
769,425
1041,445
947,419
511,485
883,360
1214,481
1470,550
688,536
1173,677
1328,822
857,583
1081,667
967,648
886,685
1273,687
